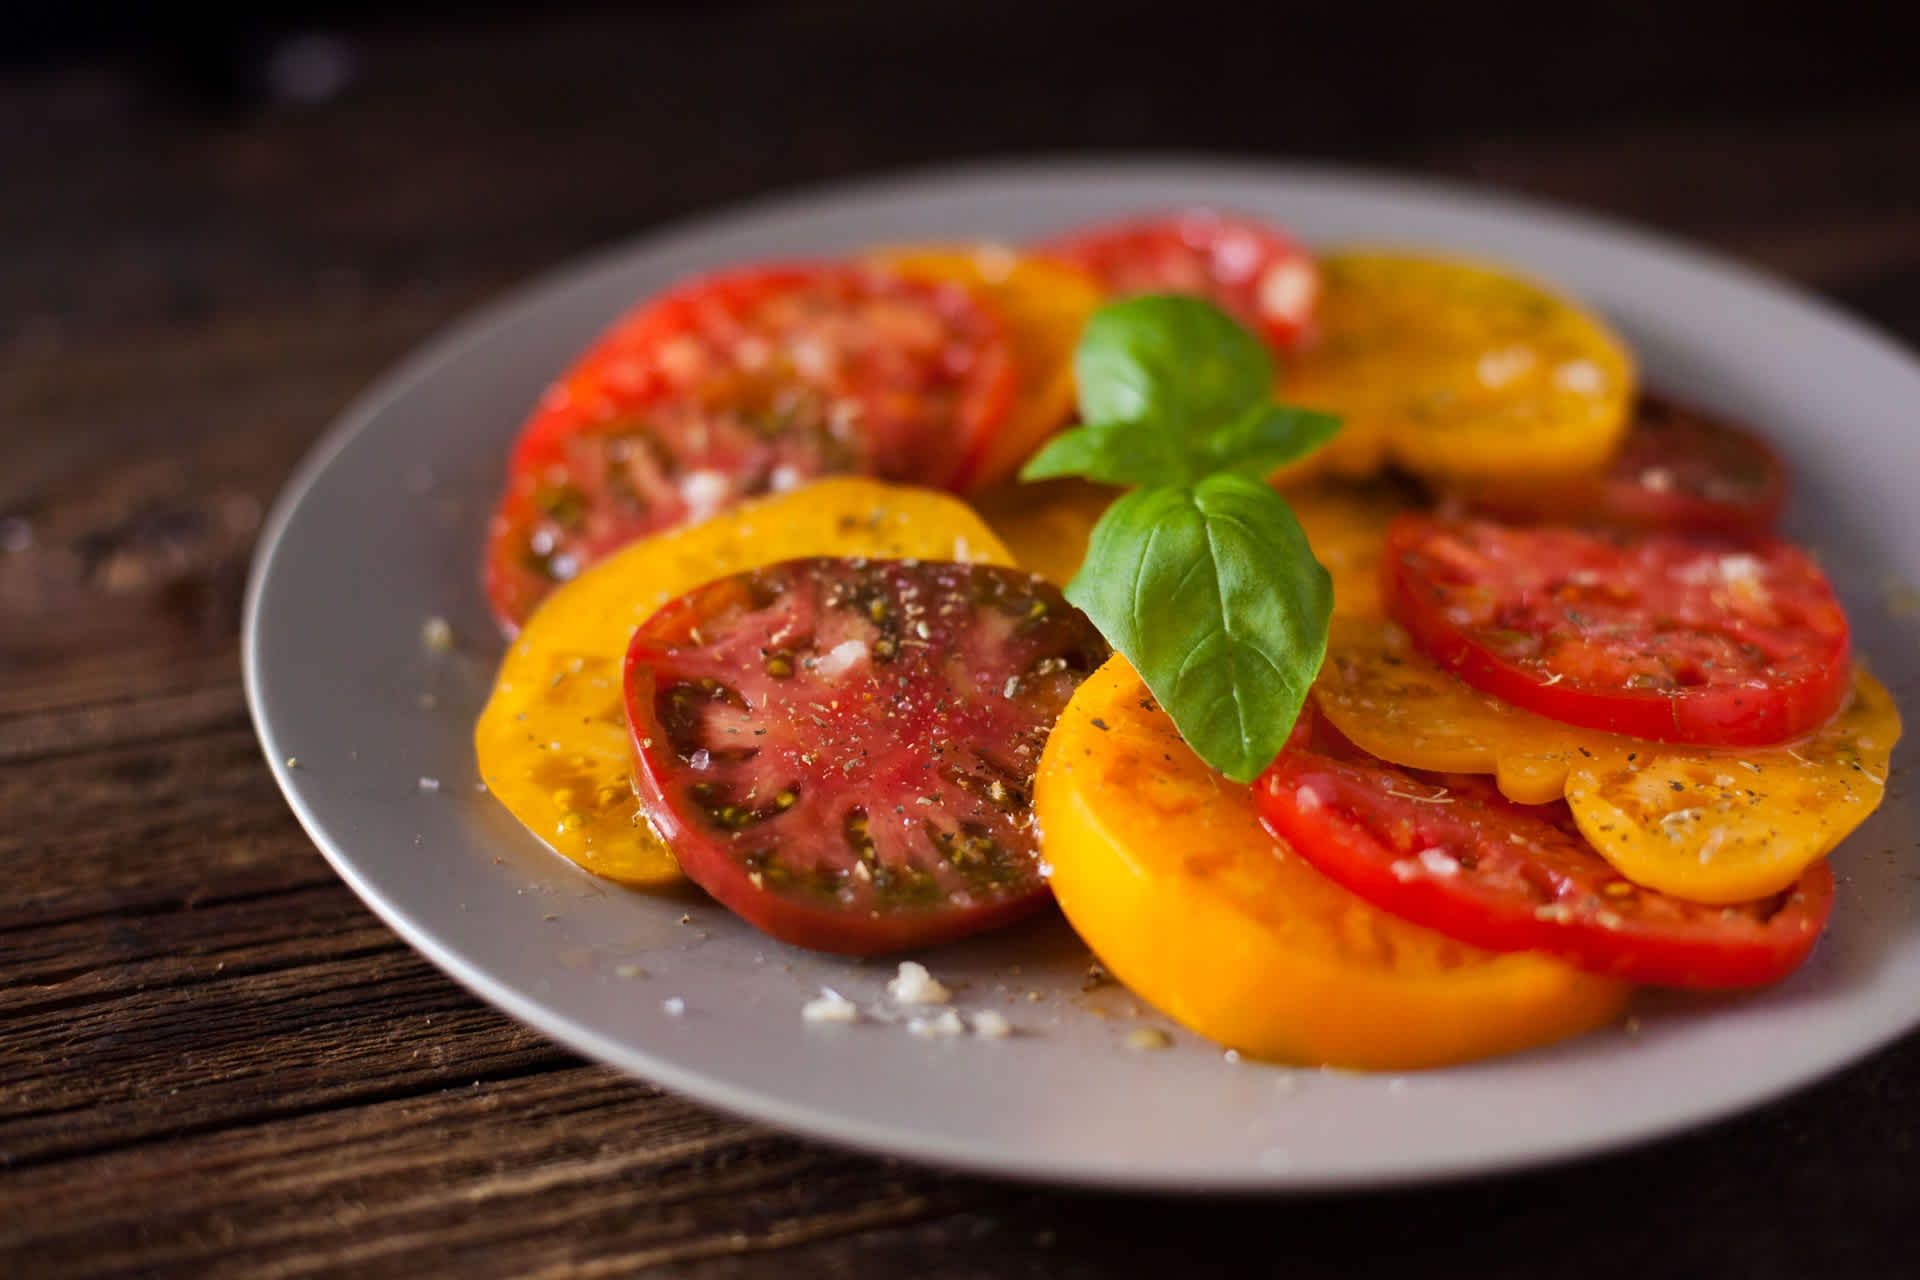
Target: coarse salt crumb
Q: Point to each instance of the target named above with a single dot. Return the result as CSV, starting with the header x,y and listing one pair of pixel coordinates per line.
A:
x,y
1231,1055
674,1006
703,491
1439,862
830,1006
429,784
947,1024
1305,800
914,985
436,636
1582,377
841,658
990,1025
1287,290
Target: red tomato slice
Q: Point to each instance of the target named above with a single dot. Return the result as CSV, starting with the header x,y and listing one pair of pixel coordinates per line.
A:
x,y
1452,855
1253,270
741,384
843,751
1678,468
1669,636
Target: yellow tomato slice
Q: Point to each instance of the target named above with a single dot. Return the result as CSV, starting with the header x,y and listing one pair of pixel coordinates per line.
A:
x,y
1045,305
1718,825
1164,869
1346,526
1047,526
1455,368
552,740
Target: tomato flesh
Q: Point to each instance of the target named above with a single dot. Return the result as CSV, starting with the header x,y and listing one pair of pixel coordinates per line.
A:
x,y
1668,636
1253,270
1678,468
842,751
739,385
1451,854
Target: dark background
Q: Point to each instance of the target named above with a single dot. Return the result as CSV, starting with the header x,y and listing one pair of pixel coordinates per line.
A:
x,y
216,227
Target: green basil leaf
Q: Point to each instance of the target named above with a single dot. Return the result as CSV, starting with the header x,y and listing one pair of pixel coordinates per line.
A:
x,y
1263,440
1169,361
1211,591
1121,453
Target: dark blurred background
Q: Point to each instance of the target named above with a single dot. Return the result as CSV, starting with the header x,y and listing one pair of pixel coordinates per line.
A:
x,y
211,152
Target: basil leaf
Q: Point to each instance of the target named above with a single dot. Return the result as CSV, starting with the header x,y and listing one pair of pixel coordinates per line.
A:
x,y
1211,591
1263,440
1121,453
1169,361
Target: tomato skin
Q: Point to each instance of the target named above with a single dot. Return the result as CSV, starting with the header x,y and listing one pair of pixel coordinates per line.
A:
x,y
740,384
842,750
1252,269
1628,634
1452,855
1679,468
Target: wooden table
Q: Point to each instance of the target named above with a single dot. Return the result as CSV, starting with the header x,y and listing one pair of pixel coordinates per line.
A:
x,y
214,1061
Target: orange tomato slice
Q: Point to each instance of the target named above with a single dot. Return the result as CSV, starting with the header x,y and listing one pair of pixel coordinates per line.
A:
x,y
1045,305
1164,869
552,740
1459,369
1717,825
1047,526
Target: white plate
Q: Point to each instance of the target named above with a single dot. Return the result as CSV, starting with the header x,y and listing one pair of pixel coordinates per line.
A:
x,y
382,528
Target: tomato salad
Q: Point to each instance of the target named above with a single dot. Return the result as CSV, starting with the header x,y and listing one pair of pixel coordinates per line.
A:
x,y
1376,677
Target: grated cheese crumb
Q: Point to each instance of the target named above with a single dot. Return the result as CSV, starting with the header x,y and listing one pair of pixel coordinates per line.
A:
x,y
914,985
830,1006
674,1006
947,1024
436,635
990,1025
1146,1039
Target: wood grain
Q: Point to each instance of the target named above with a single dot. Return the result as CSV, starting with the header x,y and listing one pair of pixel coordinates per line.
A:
x,y
215,1062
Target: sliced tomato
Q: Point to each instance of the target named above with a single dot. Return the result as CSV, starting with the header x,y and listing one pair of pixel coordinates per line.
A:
x,y
1163,868
1045,305
552,741
738,385
843,751
1252,269
1452,855
1667,636
1678,468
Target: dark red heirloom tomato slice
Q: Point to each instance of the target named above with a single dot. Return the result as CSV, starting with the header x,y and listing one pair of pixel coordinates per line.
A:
x,y
1678,468
737,385
1675,637
843,751
1253,270
1461,860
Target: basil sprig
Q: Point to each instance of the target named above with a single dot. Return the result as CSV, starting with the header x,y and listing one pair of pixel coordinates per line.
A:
x,y
1201,575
